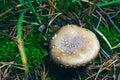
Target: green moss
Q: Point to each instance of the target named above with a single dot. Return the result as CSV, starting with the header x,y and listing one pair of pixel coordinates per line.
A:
x,y
34,48
8,50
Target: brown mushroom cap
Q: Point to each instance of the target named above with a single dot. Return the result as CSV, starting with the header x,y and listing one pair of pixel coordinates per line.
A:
x,y
74,46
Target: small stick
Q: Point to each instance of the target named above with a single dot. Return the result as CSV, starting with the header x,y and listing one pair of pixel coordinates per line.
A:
x,y
104,53
116,14
116,27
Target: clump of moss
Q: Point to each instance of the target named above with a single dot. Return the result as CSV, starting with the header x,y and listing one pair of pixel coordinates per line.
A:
x,y
8,50
33,46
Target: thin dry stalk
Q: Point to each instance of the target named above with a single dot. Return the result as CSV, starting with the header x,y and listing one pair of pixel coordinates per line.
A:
x,y
105,65
5,66
109,17
103,21
100,58
116,14
108,65
53,18
104,53
114,74
44,73
23,55
105,77
118,77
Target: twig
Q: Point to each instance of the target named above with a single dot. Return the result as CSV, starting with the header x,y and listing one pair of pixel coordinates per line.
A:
x,y
114,73
99,22
53,18
104,53
102,19
118,77
105,77
116,14
106,65
116,27
44,73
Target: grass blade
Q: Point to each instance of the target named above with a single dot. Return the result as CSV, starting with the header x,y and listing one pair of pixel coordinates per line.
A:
x,y
109,3
20,42
117,46
103,38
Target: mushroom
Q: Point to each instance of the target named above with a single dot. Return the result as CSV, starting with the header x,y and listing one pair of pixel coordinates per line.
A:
x,y
74,46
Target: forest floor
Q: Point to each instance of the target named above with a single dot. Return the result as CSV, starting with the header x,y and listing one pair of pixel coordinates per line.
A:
x,y
26,28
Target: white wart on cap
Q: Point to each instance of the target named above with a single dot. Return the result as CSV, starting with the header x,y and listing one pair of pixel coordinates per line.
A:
x,y
74,46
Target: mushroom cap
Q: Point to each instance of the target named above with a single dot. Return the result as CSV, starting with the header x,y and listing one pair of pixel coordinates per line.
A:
x,y
74,46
